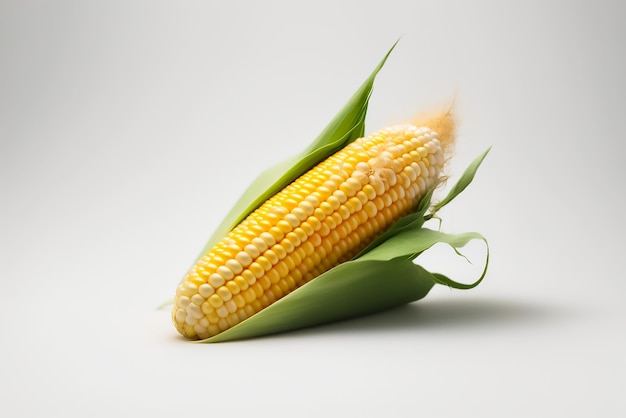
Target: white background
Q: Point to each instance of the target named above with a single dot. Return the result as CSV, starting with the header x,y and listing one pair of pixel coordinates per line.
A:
x,y
129,128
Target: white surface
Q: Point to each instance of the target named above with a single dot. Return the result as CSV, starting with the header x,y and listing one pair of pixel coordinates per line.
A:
x,y
127,129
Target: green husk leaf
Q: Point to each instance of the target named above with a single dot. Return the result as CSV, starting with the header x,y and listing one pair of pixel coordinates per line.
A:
x,y
464,181
382,279
349,290
346,126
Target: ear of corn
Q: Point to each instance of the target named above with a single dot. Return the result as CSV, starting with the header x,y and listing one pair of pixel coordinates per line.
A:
x,y
349,204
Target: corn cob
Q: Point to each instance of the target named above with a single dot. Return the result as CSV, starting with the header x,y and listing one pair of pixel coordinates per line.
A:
x,y
322,219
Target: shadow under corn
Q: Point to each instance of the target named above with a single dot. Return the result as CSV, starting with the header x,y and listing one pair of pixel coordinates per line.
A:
x,y
444,314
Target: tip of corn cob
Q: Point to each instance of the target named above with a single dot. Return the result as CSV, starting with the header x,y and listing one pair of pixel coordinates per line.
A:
x,y
443,123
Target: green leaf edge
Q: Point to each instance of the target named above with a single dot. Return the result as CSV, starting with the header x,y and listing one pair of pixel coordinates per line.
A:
x,y
344,128
464,181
